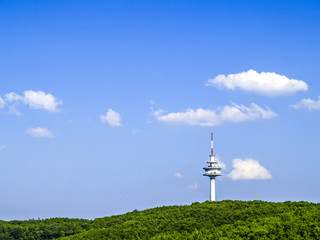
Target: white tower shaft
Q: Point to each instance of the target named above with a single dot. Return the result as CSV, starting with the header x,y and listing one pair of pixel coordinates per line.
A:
x,y
212,189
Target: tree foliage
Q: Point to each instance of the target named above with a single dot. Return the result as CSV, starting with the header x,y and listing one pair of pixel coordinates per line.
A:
x,y
208,220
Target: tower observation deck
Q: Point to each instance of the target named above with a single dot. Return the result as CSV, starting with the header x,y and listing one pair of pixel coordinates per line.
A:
x,y
212,171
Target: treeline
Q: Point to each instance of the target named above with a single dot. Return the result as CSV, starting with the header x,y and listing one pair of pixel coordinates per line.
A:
x,y
209,220
52,228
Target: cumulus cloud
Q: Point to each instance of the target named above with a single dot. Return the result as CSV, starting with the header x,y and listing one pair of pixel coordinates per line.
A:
x,y
308,104
112,118
248,169
265,83
2,103
193,186
41,100
178,175
39,132
35,100
209,118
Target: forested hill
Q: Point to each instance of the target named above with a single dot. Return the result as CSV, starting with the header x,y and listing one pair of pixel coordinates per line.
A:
x,y
208,220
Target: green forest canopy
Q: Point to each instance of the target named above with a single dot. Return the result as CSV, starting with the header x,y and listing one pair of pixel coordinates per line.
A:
x,y
208,220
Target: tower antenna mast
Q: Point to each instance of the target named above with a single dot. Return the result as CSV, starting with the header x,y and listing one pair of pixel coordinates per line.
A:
x,y
211,144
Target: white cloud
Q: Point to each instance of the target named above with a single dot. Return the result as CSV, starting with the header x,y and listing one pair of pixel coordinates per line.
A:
x,y
35,100
2,103
209,118
14,111
41,100
39,132
222,164
249,169
2,147
178,175
193,186
308,104
112,118
265,83
135,130
12,97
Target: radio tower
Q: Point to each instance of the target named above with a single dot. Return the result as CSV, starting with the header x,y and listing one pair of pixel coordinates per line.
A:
x,y
212,171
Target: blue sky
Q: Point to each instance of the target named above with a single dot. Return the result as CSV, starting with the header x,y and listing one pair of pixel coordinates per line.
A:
x,y
100,104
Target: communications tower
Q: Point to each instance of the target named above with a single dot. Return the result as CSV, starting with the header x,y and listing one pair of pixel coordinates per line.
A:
x,y
212,171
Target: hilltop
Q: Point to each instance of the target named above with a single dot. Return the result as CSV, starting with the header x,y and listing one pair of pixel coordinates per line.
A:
x,y
208,220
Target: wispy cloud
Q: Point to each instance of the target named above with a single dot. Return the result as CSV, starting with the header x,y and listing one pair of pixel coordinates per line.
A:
x,y
308,104
191,187
13,97
2,103
178,175
35,100
222,164
14,111
248,169
2,147
135,131
112,118
209,118
39,132
264,83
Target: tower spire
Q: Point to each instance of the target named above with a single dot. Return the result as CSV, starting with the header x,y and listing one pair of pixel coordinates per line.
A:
x,y
211,144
